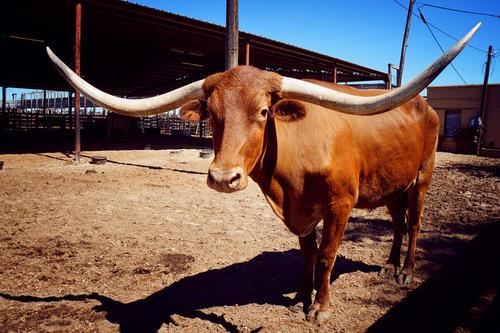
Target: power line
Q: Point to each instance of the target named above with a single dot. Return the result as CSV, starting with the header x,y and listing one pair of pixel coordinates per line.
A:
x,y
460,10
437,42
441,31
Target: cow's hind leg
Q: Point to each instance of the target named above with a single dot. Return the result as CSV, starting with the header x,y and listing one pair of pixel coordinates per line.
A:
x,y
334,225
309,250
397,209
416,198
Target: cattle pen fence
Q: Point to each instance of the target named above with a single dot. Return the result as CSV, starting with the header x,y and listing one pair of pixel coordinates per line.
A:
x,y
53,111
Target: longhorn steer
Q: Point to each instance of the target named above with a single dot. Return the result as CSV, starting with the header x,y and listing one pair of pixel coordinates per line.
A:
x,y
315,149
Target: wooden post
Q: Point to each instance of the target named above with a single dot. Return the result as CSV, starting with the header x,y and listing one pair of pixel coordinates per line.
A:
x,y
247,53
484,97
78,34
231,33
334,74
405,44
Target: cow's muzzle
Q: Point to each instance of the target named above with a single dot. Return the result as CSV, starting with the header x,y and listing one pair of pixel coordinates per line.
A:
x,y
229,180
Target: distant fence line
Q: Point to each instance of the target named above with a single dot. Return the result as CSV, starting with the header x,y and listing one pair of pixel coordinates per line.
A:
x,y
25,121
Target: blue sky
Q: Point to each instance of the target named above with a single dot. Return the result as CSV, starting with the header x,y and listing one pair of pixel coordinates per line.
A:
x,y
367,32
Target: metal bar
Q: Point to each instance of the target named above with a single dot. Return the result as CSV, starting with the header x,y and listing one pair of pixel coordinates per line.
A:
x,y
484,97
231,33
4,100
44,101
334,72
389,76
405,43
78,35
70,111
247,54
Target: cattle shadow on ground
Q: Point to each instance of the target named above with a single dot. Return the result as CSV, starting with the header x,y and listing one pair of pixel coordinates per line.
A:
x,y
474,170
360,228
264,279
449,298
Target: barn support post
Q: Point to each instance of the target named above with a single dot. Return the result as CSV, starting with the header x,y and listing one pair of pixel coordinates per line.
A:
x,y
247,53
484,97
231,33
334,74
78,35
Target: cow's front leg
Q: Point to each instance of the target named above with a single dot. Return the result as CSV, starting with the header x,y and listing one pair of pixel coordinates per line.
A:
x,y
334,224
309,250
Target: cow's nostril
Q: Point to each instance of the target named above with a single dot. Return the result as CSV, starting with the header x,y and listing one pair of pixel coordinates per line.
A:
x,y
235,180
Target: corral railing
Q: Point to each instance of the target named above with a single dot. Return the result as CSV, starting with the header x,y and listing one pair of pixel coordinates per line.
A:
x,y
51,120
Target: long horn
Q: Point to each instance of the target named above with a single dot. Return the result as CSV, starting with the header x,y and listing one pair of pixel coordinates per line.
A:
x,y
129,107
367,105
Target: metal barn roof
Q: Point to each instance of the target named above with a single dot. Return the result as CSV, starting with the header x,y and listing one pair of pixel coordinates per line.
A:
x,y
132,50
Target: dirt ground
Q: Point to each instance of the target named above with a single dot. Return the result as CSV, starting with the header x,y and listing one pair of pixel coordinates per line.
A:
x,y
141,244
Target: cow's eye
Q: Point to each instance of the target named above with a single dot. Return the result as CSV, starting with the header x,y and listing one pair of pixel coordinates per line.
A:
x,y
264,112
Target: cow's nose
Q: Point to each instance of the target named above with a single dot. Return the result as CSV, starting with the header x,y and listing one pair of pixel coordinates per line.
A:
x,y
225,180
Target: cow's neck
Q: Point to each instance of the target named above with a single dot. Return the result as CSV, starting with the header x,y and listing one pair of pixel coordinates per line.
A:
x,y
265,170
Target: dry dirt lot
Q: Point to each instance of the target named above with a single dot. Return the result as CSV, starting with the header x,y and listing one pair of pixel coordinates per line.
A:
x,y
140,244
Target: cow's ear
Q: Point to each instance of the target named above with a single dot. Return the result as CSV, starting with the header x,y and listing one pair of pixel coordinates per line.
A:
x,y
288,110
194,111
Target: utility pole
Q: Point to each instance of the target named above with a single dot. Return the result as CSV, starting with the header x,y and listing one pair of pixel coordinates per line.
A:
x,y
484,96
231,33
405,44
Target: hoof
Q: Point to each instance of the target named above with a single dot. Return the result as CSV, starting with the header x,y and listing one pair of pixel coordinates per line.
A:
x,y
317,316
312,313
322,318
388,271
405,278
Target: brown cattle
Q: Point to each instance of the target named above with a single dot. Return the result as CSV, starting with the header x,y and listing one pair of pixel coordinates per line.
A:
x,y
316,150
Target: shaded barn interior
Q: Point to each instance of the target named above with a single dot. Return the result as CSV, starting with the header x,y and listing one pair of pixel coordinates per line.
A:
x,y
132,51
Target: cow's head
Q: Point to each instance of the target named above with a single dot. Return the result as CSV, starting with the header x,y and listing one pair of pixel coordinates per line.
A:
x,y
238,101
238,104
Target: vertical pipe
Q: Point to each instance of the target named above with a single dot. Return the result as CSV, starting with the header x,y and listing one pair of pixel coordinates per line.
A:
x,y
484,97
70,111
389,76
405,44
78,34
247,54
44,102
4,100
334,74
231,33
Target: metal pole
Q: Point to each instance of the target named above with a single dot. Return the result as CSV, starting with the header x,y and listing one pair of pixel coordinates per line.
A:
x,y
405,44
334,72
389,76
78,34
484,96
44,102
247,54
70,111
4,100
231,34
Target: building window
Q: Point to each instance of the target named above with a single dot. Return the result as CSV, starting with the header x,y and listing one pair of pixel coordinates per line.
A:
x,y
452,122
